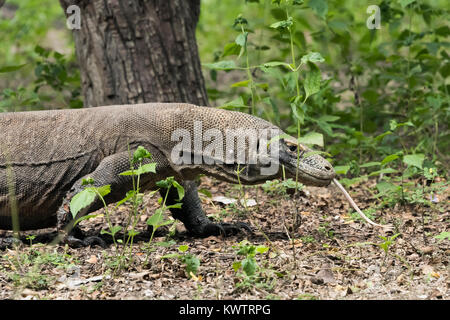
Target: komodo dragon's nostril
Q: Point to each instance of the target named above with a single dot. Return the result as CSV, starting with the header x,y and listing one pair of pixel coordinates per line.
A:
x,y
327,168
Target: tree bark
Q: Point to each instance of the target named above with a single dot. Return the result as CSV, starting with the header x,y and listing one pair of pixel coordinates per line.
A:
x,y
138,51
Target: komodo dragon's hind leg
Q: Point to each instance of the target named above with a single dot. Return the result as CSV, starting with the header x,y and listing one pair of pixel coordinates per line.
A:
x,y
67,232
193,216
107,173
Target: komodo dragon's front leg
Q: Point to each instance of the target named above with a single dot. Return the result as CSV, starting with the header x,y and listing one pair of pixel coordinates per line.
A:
x,y
193,216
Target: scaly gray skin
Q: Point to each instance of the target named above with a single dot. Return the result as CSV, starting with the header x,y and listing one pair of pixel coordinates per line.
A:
x,y
46,154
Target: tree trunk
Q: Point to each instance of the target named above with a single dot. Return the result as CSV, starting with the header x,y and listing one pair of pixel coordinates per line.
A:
x,y
138,51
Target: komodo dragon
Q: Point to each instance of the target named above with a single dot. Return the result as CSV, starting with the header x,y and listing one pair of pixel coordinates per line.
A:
x,y
44,155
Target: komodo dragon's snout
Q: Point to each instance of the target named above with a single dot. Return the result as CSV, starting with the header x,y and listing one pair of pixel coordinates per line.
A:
x,y
312,168
299,162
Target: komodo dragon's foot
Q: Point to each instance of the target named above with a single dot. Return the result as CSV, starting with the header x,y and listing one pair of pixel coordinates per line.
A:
x,y
74,242
219,229
9,242
76,239
194,218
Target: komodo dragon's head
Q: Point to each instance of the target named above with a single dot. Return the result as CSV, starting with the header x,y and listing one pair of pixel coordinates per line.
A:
x,y
291,160
259,151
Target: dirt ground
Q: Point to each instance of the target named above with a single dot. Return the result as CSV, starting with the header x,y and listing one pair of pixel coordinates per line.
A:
x,y
333,255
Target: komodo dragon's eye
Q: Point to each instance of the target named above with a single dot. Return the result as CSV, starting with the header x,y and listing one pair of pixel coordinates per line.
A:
x,y
291,146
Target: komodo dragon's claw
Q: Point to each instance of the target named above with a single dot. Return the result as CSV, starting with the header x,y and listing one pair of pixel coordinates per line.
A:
x,y
224,229
74,242
76,239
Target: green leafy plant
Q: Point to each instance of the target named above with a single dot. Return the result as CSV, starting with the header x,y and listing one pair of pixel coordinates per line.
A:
x,y
248,270
191,262
443,235
137,168
25,267
388,242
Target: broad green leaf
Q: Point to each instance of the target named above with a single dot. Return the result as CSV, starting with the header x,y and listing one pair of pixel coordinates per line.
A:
x,y
183,248
241,39
341,169
175,205
264,86
236,103
381,136
443,31
298,112
140,154
249,266
273,64
6,69
130,194
312,138
262,249
394,124
87,181
221,65
387,187
284,24
104,190
389,158
384,171
231,49
414,160
180,190
405,3
163,184
328,118
132,233
237,265
155,219
87,217
81,200
312,81
170,256
129,173
205,192
114,230
312,57
192,263
443,235
320,7
146,168
165,223
240,84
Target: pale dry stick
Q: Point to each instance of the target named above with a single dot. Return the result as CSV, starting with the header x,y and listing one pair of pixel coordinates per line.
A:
x,y
387,227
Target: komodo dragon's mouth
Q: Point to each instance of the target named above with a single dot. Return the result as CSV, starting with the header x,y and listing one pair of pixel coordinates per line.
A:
x,y
311,169
311,180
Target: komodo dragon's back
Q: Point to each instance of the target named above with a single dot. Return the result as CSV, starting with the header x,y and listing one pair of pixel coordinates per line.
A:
x,y
42,153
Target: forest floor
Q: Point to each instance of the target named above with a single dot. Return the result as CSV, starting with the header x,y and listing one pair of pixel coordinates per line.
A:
x,y
334,254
